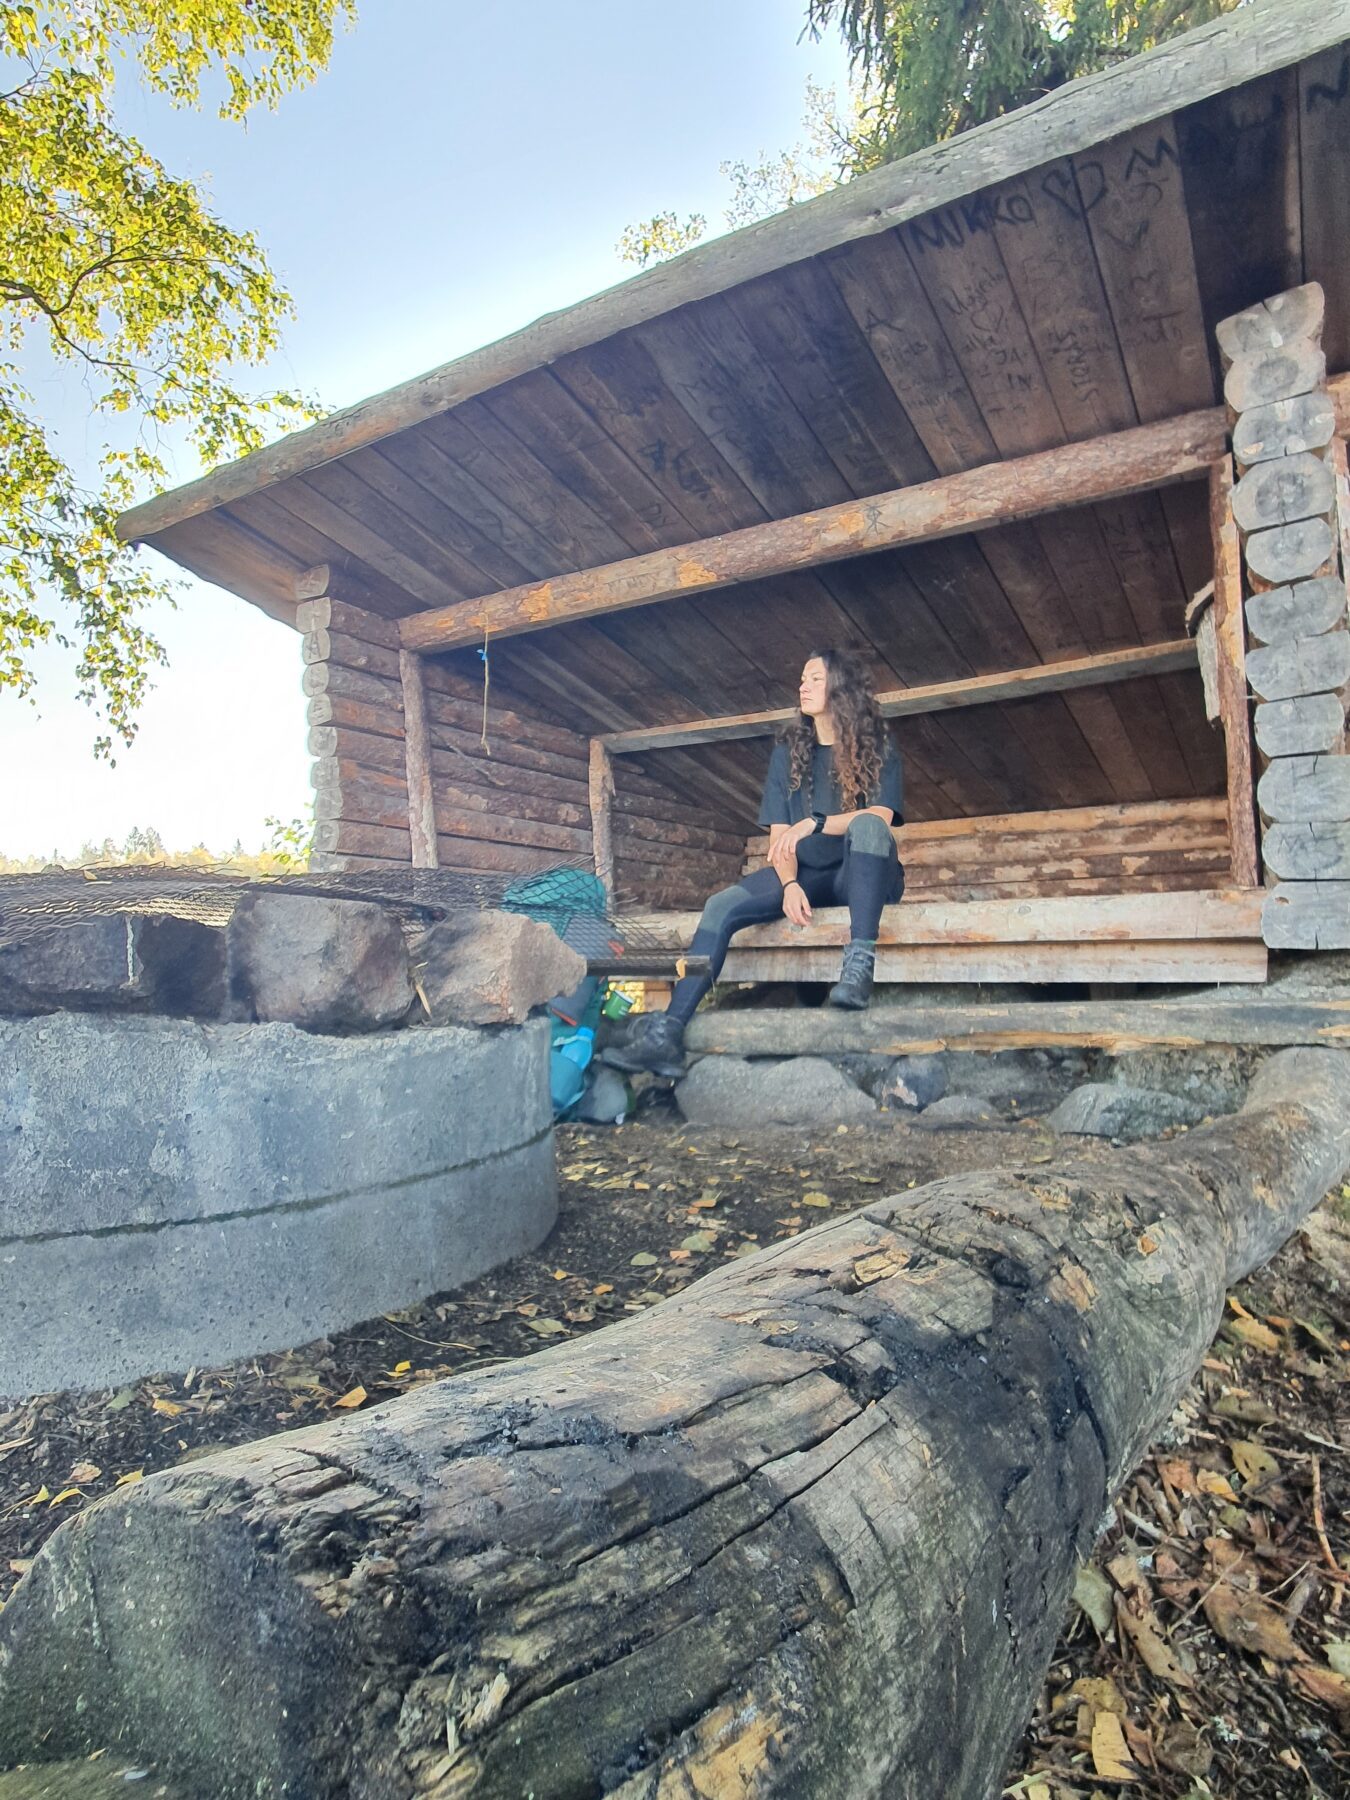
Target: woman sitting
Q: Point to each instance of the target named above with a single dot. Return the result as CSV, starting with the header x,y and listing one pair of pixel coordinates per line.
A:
x,y
834,790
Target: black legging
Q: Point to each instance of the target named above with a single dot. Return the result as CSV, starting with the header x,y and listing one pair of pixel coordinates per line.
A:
x,y
868,878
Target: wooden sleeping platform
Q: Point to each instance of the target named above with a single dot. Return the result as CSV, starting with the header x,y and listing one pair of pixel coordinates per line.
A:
x,y
1099,894
992,416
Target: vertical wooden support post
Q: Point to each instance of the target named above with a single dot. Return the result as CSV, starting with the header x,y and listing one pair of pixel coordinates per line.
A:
x,y
417,756
1230,646
602,822
1286,511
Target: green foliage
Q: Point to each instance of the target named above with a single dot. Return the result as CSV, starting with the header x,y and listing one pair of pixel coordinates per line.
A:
x,y
933,68
661,236
292,842
285,855
115,270
923,71
758,189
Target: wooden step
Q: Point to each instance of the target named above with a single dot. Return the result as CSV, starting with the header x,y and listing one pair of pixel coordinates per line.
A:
x,y
1112,1025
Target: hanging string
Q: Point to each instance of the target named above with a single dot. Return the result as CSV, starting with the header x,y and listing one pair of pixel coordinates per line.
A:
x,y
487,677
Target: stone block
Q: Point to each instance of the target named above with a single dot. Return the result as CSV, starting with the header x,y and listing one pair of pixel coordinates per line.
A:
x,y
913,1082
960,1112
491,968
324,965
803,1090
1115,1110
1215,1077
87,966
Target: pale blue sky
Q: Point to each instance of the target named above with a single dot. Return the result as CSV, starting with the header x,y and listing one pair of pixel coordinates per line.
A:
x,y
459,170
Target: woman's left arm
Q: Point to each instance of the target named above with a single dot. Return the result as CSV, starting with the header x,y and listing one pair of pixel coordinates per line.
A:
x,y
837,824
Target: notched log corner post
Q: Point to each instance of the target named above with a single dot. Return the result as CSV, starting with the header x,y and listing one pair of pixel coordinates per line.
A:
x,y
807,1529
1290,509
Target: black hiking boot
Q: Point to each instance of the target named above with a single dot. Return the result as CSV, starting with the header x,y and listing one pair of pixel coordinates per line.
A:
x,y
854,987
654,1046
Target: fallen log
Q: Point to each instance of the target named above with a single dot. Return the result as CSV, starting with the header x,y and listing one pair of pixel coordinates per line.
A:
x,y
806,1530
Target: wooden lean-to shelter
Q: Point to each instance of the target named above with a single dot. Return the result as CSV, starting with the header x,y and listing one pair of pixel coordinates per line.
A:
x,y
966,414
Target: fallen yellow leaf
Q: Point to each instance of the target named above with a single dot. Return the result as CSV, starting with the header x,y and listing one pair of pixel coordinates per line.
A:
x,y
1252,1461
603,1287
1210,1483
402,1368
132,1475
815,1198
1110,1755
1252,1331
65,1494
352,1398
170,1408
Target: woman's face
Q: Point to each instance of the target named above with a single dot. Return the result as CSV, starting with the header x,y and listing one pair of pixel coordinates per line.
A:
x,y
811,693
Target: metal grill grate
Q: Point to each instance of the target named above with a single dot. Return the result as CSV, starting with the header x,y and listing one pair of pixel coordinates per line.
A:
x,y
564,896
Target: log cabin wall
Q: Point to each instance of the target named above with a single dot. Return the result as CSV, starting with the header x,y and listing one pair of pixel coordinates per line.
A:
x,y
1162,847
669,852
517,806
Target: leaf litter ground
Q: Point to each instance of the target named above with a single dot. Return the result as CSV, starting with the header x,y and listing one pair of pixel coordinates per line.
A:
x,y
1207,1652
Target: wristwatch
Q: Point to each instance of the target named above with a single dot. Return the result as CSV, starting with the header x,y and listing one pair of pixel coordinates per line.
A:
x,y
819,825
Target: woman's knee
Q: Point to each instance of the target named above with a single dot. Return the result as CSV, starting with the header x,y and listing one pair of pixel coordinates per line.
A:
x,y
870,835
720,909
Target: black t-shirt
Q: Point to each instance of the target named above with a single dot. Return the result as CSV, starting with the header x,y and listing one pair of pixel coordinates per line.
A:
x,y
821,794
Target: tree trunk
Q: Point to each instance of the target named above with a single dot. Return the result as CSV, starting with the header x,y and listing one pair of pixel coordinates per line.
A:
x,y
807,1529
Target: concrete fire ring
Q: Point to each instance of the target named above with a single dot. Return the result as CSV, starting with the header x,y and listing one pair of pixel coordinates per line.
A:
x,y
174,1194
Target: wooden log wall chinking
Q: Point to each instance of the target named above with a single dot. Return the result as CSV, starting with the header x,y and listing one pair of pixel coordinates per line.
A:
x,y
1289,508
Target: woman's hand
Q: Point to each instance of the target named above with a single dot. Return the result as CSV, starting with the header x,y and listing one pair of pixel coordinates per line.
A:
x,y
796,906
783,850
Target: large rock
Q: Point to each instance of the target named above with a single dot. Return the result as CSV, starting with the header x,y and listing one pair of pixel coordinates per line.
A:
x,y
1112,1110
913,1082
1214,1076
960,1112
87,966
324,965
492,968
803,1090
153,962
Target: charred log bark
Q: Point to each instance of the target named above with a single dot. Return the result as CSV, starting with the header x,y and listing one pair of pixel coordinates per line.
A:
x,y
806,1529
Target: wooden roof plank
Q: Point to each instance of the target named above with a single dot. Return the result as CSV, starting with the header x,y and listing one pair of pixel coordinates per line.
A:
x,y
954,505
1132,194
1240,165
221,550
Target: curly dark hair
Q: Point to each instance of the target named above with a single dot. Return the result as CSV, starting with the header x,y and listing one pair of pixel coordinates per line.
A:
x,y
859,732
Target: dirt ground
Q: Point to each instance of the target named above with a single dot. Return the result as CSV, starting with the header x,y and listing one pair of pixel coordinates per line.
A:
x,y
1208,1653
